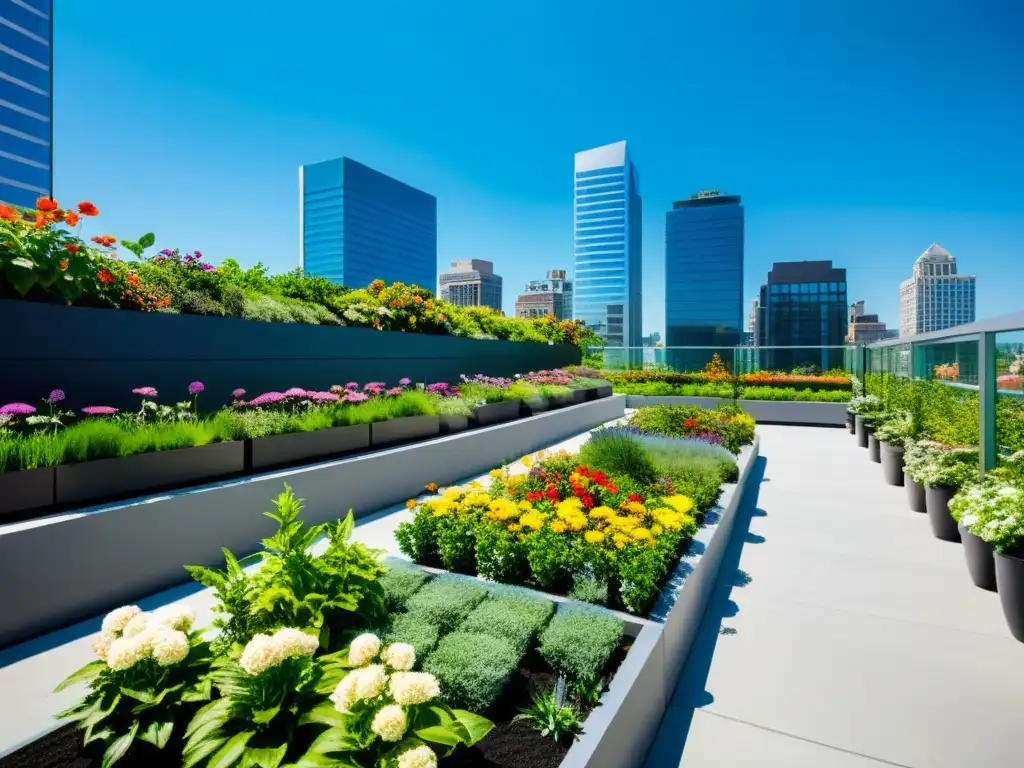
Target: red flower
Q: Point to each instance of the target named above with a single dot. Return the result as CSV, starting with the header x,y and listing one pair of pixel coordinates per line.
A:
x,y
133,280
106,276
40,221
88,209
72,247
588,500
46,204
690,423
71,218
612,488
105,240
552,494
599,478
634,497
8,213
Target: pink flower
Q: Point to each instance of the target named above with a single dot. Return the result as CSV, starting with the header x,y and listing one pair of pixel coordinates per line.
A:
x,y
404,382
295,392
196,387
145,391
394,391
99,410
352,385
323,397
355,397
17,409
238,394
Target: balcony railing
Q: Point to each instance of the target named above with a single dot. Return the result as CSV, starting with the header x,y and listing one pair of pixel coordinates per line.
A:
x,y
809,360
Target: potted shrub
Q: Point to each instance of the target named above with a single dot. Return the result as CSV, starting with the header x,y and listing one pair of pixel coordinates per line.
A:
x,y
980,510
588,385
943,475
402,417
453,412
492,403
890,435
916,455
860,407
555,387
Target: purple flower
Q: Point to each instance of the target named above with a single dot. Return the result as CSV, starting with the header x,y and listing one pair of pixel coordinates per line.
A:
x,y
295,392
710,437
207,267
144,391
99,410
355,397
56,396
404,382
352,385
198,255
394,391
267,398
167,252
440,388
238,394
18,409
323,397
196,387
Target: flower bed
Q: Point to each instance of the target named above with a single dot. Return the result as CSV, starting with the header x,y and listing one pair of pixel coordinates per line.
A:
x,y
719,381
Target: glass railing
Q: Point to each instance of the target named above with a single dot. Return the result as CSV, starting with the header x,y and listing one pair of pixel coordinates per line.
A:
x,y
802,361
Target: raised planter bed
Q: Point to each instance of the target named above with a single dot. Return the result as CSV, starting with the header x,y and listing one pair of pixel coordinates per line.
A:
x,y
403,430
77,565
281,450
495,413
147,472
27,489
764,411
451,423
533,407
560,401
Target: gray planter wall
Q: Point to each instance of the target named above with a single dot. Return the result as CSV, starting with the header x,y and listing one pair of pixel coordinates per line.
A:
x,y
764,411
124,350
76,565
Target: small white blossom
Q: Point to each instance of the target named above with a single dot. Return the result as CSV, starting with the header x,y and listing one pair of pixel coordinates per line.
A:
x,y
126,652
116,620
389,723
101,644
344,695
401,656
259,655
170,646
369,681
419,757
294,642
176,616
410,688
136,626
363,649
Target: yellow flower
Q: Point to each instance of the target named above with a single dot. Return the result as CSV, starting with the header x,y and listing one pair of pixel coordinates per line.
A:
x,y
475,484
526,506
454,494
681,504
532,520
634,507
594,537
541,455
656,530
623,523
569,506
496,473
442,508
501,509
432,487
410,504
620,540
602,513
513,527
526,461
641,534
477,500
559,526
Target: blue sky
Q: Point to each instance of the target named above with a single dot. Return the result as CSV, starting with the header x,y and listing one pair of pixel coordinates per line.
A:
x,y
858,132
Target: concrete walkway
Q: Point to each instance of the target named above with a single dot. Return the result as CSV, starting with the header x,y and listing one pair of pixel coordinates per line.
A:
x,y
842,633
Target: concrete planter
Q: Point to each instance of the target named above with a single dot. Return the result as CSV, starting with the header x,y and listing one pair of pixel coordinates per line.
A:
x,y
764,411
915,494
1010,582
937,504
981,563
451,423
21,491
281,450
403,430
147,472
495,413
533,407
78,565
874,448
892,463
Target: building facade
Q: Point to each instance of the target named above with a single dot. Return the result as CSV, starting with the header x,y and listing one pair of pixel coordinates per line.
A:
x,y
803,306
936,296
552,295
472,283
26,101
863,328
357,225
607,245
703,278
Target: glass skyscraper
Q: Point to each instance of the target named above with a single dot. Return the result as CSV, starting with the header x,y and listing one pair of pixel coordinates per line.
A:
x,y
26,105
608,242
357,225
703,278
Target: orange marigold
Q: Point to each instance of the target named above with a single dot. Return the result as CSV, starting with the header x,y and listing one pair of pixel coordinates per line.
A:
x,y
72,247
104,240
71,218
63,263
46,204
8,213
133,280
40,221
88,209
106,276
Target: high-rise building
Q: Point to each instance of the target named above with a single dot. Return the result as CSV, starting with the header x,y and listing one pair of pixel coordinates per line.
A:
x,y
551,296
472,283
863,328
608,242
803,305
653,339
936,296
703,278
26,101
357,225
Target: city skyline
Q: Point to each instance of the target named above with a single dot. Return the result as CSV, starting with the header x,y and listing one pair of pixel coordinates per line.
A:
x,y
214,141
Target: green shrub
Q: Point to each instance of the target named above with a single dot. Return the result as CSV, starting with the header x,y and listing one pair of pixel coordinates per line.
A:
x,y
233,299
796,394
456,543
266,310
452,406
196,303
417,538
500,555
401,582
549,556
588,589
300,312
472,669
409,403
617,454
579,641
446,601
414,630
517,619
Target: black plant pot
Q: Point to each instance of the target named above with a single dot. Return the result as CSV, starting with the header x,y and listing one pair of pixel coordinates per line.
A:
x,y
873,449
862,431
404,429
892,463
26,489
533,407
1010,582
451,423
495,413
915,494
560,401
851,423
981,563
937,502
281,450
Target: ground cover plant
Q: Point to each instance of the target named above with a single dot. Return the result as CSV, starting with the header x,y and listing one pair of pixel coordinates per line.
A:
x,y
723,426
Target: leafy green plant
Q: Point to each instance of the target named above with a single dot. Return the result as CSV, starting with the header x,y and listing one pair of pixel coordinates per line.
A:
x,y
472,668
616,453
446,601
415,630
993,510
549,714
400,582
589,589
517,619
500,555
579,641
139,246
949,468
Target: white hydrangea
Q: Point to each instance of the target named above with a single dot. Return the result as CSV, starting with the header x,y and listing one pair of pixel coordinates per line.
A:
x,y
389,723
170,646
409,688
116,620
294,642
259,655
344,695
420,757
136,626
369,681
176,616
400,656
101,644
126,652
363,649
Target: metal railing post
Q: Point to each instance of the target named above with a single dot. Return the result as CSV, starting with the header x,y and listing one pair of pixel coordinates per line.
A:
x,y
988,447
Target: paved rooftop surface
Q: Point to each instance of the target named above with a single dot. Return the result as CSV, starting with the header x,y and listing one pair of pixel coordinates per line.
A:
x,y
842,633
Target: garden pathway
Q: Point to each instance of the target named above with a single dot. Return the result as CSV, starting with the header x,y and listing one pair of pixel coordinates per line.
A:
x,y
842,633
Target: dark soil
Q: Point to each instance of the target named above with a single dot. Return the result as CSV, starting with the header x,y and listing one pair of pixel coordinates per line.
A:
x,y
63,749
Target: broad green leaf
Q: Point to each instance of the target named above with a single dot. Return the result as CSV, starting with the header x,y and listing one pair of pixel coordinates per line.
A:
x,y
201,691
120,745
346,527
439,734
264,757
216,713
476,726
82,709
147,240
158,733
198,750
324,714
334,740
144,696
314,760
232,751
104,734
102,711
264,716
84,675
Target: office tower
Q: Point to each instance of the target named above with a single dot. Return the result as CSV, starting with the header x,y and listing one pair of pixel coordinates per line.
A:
x,y
26,101
551,296
608,242
863,328
357,225
653,339
472,283
936,296
703,278
752,317
803,305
